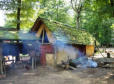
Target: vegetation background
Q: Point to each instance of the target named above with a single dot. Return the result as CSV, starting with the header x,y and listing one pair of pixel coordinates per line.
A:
x,y
93,16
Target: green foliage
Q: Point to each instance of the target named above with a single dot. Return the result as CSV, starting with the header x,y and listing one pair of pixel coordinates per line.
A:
x,y
97,16
29,9
97,19
55,10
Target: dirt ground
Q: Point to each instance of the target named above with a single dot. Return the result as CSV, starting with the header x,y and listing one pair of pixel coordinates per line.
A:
x,y
49,75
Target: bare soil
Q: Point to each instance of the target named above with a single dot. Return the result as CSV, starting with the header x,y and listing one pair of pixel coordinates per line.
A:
x,y
49,75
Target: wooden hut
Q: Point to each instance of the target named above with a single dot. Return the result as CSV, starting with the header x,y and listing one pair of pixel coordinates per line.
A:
x,y
49,32
52,35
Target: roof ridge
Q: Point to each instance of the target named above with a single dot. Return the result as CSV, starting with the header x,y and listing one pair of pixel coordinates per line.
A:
x,y
59,23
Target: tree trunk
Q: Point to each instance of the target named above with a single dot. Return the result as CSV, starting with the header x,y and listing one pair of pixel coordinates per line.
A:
x,y
18,24
57,12
44,3
112,5
58,4
78,20
18,14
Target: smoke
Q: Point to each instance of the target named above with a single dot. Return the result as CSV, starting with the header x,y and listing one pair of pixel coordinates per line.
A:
x,y
29,42
68,49
25,35
83,62
68,52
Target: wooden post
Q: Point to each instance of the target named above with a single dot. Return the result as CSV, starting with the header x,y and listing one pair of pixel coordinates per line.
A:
x,y
43,37
55,55
32,62
1,64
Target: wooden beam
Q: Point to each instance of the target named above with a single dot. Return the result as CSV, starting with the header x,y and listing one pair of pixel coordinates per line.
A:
x,y
43,37
40,30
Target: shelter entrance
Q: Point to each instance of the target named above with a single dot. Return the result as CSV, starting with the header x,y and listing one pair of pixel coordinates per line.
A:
x,y
46,49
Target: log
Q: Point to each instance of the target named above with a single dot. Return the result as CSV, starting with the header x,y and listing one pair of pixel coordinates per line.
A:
x,y
73,68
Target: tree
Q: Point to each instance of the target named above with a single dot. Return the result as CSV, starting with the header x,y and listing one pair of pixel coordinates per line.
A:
x,y
95,16
55,10
20,13
77,6
98,19
7,4
51,9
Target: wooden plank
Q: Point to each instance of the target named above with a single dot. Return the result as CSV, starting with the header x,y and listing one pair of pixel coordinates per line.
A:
x,y
89,50
50,59
40,30
43,37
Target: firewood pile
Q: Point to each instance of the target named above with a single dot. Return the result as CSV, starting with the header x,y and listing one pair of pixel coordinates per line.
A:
x,y
101,62
105,62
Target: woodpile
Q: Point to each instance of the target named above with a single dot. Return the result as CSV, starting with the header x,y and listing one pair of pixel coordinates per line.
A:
x,y
105,62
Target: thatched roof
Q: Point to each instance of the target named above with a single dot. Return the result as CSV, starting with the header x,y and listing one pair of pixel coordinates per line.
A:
x,y
17,35
65,33
60,31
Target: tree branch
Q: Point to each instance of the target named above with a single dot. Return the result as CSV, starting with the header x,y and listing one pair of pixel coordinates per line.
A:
x,y
76,5
72,5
